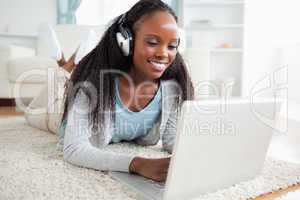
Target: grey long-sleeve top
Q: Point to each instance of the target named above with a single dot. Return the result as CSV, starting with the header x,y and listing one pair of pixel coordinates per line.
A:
x,y
84,147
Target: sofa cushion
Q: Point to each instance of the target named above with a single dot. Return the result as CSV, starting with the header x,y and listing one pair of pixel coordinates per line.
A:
x,y
29,67
42,45
5,88
70,36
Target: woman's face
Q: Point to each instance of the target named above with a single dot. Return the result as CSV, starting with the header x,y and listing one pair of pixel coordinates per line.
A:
x,y
155,45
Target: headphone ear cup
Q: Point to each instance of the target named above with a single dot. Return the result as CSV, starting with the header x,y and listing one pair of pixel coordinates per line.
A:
x,y
120,40
124,43
129,38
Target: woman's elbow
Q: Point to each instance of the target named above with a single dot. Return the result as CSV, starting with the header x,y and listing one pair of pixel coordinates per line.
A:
x,y
68,154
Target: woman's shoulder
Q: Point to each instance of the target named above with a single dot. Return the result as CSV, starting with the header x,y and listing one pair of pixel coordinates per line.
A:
x,y
81,97
171,86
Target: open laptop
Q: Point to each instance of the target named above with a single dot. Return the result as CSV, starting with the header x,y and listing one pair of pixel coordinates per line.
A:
x,y
218,144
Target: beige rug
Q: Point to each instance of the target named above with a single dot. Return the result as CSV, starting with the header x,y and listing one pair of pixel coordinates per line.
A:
x,y
32,168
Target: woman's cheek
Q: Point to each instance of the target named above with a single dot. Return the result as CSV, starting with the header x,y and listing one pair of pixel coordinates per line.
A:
x,y
149,51
172,56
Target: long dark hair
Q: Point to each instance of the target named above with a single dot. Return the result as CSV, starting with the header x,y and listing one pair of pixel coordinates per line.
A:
x,y
108,56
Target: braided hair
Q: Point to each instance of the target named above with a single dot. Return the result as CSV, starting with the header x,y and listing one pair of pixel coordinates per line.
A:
x,y
108,56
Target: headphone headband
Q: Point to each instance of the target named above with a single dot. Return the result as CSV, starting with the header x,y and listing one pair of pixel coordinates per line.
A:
x,y
122,19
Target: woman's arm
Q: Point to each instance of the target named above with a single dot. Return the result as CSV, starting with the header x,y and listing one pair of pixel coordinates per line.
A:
x,y
168,137
157,169
78,149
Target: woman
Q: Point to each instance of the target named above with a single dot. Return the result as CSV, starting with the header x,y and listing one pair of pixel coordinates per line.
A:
x,y
128,88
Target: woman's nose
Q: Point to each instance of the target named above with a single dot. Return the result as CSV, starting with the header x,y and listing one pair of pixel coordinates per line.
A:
x,y
162,52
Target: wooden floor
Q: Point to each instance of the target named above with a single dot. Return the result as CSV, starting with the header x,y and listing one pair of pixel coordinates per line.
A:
x,y
11,111
278,193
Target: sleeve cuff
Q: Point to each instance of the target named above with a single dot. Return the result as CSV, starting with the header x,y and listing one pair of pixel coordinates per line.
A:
x,y
123,163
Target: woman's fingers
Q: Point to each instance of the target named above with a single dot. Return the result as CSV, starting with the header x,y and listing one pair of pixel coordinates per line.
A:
x,y
155,169
163,177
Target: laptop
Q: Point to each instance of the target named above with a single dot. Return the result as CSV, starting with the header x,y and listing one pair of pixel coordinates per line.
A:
x,y
218,144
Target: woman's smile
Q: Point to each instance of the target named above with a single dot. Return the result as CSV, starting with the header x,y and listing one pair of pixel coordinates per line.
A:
x,y
159,66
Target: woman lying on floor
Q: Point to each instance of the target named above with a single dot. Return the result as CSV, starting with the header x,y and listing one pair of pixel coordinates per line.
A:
x,y
128,88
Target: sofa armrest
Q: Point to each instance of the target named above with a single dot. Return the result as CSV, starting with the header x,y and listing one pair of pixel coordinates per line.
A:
x,y
9,52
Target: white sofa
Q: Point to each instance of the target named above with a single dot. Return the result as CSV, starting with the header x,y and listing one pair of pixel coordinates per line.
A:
x,y
286,146
26,69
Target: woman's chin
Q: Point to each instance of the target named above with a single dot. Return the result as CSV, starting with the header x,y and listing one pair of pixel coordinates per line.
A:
x,y
156,75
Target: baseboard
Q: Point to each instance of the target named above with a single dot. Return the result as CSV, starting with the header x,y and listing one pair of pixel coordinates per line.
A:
x,y
7,102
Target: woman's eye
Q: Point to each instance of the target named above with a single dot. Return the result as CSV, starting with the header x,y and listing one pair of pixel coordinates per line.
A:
x,y
152,43
173,47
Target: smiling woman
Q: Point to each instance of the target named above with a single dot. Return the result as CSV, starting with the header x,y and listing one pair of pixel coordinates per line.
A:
x,y
130,87
135,72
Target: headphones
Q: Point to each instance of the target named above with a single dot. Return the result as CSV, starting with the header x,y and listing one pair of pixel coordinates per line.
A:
x,y
124,37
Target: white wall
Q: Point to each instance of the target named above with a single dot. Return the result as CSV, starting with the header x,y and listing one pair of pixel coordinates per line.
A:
x,y
24,16
291,58
269,26
99,12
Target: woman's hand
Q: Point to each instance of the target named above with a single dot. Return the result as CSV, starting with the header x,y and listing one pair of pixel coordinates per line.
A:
x,y
155,169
